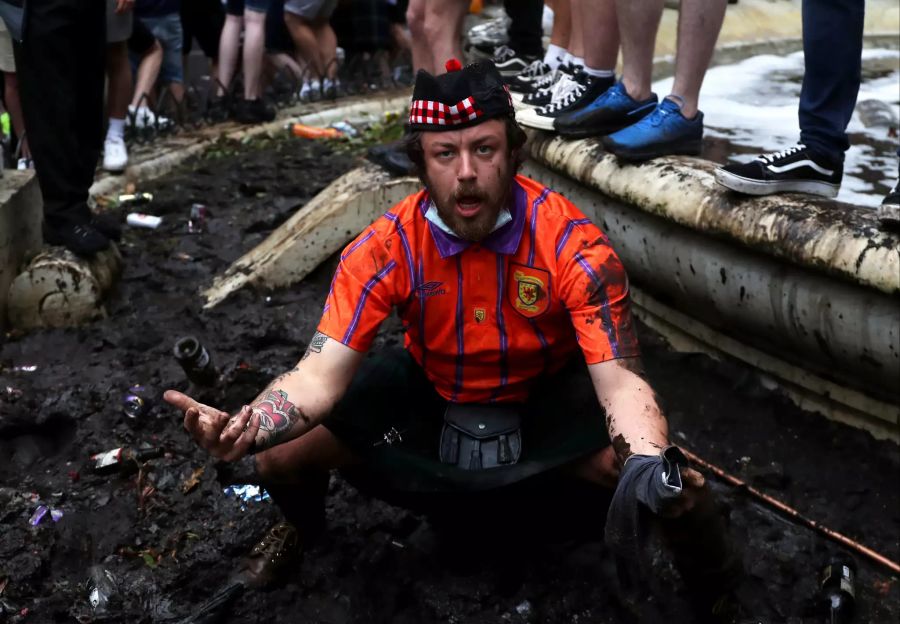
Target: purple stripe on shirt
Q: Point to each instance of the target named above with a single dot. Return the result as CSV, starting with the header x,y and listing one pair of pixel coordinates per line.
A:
x,y
460,344
545,347
348,335
501,328
422,300
568,232
358,244
406,250
600,290
534,211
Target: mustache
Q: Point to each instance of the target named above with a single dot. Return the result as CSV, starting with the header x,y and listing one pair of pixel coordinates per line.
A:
x,y
469,192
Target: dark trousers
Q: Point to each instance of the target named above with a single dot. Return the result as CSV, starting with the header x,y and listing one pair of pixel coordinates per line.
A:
x,y
832,49
525,30
62,66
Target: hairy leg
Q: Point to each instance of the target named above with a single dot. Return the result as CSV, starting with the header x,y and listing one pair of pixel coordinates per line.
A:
x,y
421,48
118,72
443,31
638,23
600,33
304,39
699,22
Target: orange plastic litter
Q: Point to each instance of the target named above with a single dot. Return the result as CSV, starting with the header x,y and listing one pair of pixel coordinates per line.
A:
x,y
311,132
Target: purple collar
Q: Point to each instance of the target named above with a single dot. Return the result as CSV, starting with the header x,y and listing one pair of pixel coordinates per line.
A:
x,y
504,240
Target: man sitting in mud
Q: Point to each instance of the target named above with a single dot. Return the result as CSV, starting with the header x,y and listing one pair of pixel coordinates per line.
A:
x,y
520,360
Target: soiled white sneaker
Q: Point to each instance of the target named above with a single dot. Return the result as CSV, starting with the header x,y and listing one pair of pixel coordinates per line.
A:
x,y
115,155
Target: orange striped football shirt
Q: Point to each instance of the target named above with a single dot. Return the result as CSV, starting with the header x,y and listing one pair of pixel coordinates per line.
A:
x,y
485,319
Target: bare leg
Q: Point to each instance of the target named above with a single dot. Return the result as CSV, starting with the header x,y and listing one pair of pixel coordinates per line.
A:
x,y
305,40
229,48
576,40
638,23
118,72
699,22
147,73
421,46
443,29
177,89
14,107
327,44
283,60
561,34
601,34
254,49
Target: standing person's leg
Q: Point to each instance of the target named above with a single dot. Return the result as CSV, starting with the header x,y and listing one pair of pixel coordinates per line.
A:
x,y
525,30
560,35
14,108
143,45
699,23
118,71
230,44
638,24
443,29
601,36
832,52
299,16
61,71
254,50
576,38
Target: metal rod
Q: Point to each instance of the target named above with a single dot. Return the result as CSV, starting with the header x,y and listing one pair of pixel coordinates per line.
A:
x,y
794,514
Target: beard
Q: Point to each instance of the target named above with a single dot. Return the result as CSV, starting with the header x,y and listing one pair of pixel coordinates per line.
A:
x,y
477,227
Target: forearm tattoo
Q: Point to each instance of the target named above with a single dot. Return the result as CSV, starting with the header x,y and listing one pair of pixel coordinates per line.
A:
x,y
277,415
315,345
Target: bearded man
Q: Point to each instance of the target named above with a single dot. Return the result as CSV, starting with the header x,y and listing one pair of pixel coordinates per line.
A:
x,y
520,360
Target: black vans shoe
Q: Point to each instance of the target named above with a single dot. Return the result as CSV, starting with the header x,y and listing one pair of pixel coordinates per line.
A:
x,y
795,169
889,210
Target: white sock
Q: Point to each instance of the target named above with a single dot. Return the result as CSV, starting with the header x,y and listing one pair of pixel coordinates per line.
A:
x,y
554,56
599,73
116,129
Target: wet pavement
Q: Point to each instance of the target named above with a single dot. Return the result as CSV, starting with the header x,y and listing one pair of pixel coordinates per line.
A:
x,y
169,536
750,108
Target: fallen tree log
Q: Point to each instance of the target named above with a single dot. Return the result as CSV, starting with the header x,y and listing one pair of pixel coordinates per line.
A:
x,y
60,289
325,224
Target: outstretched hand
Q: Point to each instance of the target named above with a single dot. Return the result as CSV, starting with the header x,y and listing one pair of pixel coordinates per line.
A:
x,y
226,437
692,490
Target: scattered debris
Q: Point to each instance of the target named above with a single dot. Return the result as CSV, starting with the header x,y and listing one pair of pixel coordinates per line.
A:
x,y
136,403
139,219
345,129
197,222
246,494
38,515
193,481
523,608
311,132
122,460
135,199
101,587
195,360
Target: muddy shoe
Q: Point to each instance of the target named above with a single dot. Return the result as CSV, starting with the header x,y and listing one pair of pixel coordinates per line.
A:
x,y
270,558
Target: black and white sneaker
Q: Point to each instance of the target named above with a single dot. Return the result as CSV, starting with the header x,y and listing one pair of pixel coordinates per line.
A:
x,y
571,93
889,210
544,88
525,79
795,169
507,62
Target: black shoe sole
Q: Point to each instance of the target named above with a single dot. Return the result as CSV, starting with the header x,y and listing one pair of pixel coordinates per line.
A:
x,y
674,148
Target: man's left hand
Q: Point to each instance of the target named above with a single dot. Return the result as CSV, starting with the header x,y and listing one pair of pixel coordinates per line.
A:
x,y
693,488
124,5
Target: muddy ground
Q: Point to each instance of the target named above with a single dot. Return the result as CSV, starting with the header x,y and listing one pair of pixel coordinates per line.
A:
x,y
169,550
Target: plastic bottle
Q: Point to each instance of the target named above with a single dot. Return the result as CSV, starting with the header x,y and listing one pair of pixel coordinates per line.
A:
x,y
122,460
195,360
838,582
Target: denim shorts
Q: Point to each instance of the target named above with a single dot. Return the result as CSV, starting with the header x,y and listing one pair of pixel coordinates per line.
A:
x,y
167,29
236,7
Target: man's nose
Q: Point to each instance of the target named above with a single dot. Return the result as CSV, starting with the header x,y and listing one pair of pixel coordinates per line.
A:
x,y
466,170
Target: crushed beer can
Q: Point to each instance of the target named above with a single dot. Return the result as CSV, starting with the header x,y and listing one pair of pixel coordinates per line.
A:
x,y
199,216
38,515
135,199
246,493
136,402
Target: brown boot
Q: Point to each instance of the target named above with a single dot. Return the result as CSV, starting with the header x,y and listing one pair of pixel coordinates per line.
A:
x,y
269,559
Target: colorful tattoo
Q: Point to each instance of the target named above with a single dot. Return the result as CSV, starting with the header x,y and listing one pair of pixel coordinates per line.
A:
x,y
277,415
315,345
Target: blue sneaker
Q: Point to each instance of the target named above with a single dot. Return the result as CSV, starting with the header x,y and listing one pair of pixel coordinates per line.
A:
x,y
663,132
613,110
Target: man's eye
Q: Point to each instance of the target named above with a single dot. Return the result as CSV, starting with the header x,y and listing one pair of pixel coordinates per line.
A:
x,y
445,154
484,149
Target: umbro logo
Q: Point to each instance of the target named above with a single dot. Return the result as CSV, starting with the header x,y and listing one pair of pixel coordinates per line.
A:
x,y
430,289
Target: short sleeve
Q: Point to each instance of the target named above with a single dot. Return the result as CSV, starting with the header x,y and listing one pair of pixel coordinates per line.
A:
x,y
362,292
594,288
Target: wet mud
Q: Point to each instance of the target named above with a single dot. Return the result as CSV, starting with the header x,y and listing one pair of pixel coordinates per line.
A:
x,y
170,538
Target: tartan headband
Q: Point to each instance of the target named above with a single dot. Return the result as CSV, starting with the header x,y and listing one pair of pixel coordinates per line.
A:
x,y
437,113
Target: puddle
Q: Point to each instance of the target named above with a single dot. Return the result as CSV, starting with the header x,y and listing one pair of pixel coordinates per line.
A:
x,y
752,105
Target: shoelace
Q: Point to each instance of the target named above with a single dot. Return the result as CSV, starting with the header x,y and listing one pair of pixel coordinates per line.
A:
x,y
547,80
770,158
535,68
565,98
503,53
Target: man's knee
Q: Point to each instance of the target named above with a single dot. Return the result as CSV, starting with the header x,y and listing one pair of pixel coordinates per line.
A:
x,y
600,467
318,449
